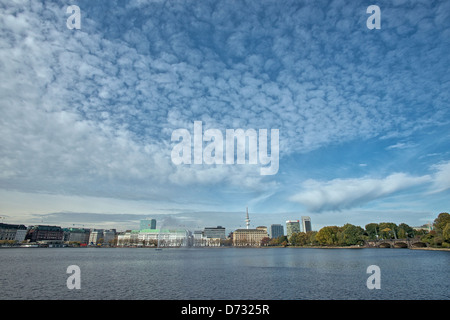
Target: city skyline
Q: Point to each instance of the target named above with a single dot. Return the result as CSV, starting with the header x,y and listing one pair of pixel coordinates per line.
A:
x,y
88,113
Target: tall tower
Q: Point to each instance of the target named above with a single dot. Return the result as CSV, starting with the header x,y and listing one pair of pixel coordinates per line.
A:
x,y
306,224
247,220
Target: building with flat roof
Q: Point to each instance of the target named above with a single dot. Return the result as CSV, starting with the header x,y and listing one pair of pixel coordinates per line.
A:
x,y
80,235
214,232
249,237
292,226
155,237
306,224
276,231
101,236
147,224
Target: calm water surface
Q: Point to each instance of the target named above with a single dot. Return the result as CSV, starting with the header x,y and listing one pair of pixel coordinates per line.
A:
x,y
223,273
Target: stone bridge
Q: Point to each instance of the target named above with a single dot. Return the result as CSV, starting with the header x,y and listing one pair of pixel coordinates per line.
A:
x,y
395,243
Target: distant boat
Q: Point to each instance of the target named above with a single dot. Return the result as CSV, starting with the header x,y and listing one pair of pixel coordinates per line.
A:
x,y
159,249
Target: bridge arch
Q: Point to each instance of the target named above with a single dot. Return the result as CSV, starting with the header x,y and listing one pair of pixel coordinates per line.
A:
x,y
400,245
384,245
418,244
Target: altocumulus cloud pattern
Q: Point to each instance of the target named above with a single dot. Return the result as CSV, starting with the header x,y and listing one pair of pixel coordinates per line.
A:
x,y
362,114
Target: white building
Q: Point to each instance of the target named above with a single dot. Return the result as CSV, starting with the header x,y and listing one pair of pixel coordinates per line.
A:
x,y
155,237
107,236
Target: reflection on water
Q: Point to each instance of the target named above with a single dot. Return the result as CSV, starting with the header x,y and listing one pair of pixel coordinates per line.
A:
x,y
223,273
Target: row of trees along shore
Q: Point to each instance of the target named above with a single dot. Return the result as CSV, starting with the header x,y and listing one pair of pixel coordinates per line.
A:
x,y
351,235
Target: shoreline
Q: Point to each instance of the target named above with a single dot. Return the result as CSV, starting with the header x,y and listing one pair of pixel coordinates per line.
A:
x,y
432,249
246,247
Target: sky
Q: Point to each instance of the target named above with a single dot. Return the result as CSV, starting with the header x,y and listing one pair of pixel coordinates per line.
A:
x,y
88,113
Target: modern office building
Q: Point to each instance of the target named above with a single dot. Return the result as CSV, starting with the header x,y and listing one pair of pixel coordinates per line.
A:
x,y
276,231
214,232
306,224
292,226
200,240
147,224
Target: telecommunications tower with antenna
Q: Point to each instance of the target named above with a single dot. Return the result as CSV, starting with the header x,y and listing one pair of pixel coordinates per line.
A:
x,y
247,220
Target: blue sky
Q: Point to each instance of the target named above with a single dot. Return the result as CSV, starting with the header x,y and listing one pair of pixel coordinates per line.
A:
x,y
87,115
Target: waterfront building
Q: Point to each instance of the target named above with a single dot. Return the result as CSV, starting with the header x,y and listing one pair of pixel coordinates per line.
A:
x,y
213,239
292,226
128,238
95,236
214,232
109,237
44,233
249,237
147,224
306,224
198,238
14,232
155,237
105,237
263,228
276,231
80,235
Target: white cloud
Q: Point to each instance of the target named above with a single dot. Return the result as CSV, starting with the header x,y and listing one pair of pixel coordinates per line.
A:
x,y
441,178
90,111
340,194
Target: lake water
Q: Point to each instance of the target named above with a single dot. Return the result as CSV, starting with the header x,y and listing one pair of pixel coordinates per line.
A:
x,y
223,273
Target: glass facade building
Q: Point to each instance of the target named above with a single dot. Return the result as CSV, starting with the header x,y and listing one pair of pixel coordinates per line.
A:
x,y
276,231
306,224
292,226
214,232
147,224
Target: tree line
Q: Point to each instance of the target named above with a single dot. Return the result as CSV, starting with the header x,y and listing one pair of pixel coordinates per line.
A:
x,y
350,235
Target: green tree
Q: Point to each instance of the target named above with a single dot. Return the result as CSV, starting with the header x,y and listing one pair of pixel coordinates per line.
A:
x,y
388,230
312,238
441,221
372,230
405,231
428,238
278,241
446,233
298,239
442,229
351,235
328,235
401,234
265,241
